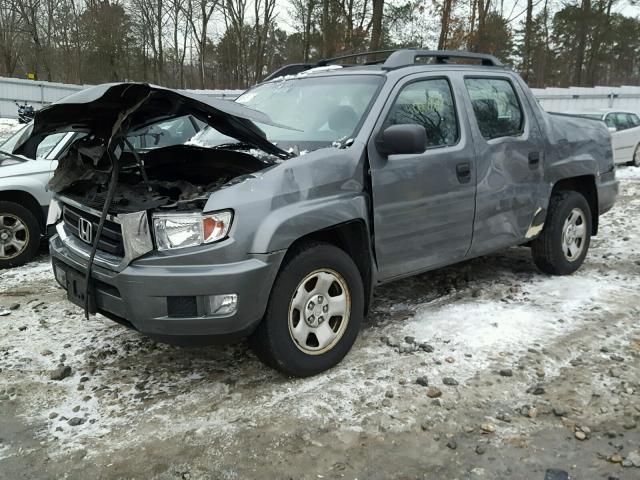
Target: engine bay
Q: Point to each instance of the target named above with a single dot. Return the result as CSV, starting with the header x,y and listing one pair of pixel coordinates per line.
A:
x,y
178,177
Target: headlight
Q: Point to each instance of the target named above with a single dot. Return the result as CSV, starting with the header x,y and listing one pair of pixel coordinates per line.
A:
x,y
180,230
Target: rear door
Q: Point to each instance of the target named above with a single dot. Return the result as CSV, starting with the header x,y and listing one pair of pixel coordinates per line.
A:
x,y
423,204
622,137
510,159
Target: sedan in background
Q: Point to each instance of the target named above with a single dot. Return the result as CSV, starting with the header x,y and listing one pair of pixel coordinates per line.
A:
x,y
625,133
24,196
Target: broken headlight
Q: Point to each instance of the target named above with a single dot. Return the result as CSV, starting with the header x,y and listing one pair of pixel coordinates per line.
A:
x,y
180,230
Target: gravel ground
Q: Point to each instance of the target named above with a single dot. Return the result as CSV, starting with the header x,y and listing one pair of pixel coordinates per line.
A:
x,y
487,369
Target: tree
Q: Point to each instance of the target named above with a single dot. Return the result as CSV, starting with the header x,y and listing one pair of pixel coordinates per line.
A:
x,y
445,27
376,24
199,13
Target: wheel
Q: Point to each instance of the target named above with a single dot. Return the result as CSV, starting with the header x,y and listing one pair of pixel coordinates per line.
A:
x,y
314,312
635,162
19,235
562,246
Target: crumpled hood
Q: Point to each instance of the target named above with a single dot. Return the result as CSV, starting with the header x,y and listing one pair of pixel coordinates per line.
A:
x,y
97,110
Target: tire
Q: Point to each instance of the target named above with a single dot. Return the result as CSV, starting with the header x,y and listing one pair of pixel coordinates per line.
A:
x,y
549,252
291,346
635,161
19,235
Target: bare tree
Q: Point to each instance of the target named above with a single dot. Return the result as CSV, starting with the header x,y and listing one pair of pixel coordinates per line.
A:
x,y
266,8
444,25
376,24
582,43
9,35
180,28
30,14
199,13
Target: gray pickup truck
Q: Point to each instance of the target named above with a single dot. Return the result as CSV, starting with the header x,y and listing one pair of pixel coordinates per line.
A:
x,y
281,216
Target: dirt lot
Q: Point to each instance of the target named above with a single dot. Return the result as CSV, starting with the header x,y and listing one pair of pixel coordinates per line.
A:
x,y
487,369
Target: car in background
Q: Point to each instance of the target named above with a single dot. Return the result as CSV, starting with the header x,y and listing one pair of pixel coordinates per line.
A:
x,y
625,133
24,196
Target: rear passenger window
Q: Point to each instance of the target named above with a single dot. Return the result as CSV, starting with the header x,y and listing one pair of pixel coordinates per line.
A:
x,y
622,121
428,103
635,121
496,107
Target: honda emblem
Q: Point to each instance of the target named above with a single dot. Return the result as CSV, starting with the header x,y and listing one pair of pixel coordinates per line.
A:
x,y
85,230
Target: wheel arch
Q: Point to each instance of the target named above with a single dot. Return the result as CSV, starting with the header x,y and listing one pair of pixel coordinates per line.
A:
x,y
26,200
353,238
586,186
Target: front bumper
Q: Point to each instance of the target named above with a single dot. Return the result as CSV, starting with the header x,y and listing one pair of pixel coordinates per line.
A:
x,y
141,296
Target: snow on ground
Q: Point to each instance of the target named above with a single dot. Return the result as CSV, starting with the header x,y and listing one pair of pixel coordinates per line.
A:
x,y
8,126
477,318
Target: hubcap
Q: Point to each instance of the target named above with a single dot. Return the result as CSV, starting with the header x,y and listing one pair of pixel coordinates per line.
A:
x,y
574,233
14,236
319,311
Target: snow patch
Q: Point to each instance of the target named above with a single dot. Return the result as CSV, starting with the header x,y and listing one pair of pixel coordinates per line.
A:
x,y
628,172
8,126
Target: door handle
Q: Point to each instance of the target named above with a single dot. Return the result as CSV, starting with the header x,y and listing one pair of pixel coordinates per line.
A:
x,y
463,171
534,159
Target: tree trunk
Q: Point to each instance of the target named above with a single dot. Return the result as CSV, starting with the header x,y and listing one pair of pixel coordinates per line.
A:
x,y
376,24
528,32
444,25
582,43
324,51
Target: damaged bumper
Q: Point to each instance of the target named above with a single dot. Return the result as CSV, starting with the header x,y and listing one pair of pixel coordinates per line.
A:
x,y
169,302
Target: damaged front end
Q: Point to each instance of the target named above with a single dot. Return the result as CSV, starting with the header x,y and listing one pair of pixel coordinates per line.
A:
x,y
125,186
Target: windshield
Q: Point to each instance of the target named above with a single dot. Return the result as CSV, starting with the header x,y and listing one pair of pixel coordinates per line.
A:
x,y
165,133
322,109
44,148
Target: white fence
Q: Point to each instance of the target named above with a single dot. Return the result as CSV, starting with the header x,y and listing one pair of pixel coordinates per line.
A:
x,y
574,99
570,99
39,94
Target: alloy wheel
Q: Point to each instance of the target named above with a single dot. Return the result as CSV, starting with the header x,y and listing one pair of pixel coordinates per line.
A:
x,y
14,236
574,233
319,311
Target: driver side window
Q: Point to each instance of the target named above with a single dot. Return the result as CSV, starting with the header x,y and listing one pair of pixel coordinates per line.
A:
x,y
428,103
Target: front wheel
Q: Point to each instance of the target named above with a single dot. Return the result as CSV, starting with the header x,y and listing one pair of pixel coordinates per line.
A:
x,y
19,235
563,244
314,312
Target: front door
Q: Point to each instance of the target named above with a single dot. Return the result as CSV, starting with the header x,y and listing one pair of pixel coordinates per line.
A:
x,y
423,204
510,158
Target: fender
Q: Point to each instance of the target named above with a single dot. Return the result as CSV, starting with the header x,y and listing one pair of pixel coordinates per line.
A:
x,y
285,225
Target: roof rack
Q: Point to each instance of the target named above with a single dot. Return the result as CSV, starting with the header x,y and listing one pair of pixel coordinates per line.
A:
x,y
295,68
396,59
328,61
403,58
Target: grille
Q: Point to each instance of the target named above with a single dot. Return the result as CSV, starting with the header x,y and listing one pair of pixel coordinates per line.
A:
x,y
111,238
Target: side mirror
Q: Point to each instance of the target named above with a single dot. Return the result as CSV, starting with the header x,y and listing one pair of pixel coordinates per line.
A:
x,y
404,138
613,129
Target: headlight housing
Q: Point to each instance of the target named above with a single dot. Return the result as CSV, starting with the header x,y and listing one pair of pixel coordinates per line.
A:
x,y
181,230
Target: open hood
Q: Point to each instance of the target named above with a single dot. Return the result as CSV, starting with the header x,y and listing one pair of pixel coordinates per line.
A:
x,y
99,110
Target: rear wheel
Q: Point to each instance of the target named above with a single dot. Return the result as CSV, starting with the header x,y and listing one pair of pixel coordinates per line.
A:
x,y
19,235
563,244
314,312
636,157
